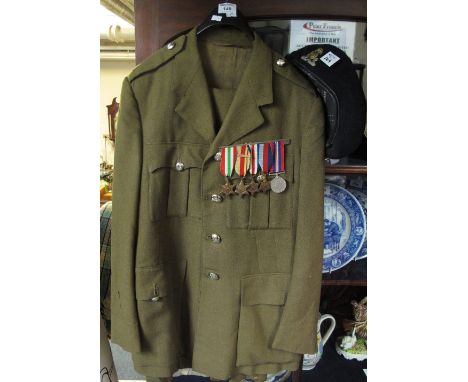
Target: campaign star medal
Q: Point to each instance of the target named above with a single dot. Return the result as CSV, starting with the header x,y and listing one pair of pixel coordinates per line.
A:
x,y
226,166
241,188
313,56
227,188
242,166
278,184
252,187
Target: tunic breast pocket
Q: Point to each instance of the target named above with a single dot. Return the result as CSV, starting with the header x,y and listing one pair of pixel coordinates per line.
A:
x,y
174,171
274,210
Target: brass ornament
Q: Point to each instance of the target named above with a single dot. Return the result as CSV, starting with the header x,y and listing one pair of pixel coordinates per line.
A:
x,y
261,178
313,56
241,188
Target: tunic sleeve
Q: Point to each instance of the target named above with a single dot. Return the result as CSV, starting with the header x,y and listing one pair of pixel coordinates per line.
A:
x,y
298,325
125,207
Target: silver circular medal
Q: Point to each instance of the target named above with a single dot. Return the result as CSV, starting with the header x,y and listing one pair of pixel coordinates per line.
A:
x,y
278,184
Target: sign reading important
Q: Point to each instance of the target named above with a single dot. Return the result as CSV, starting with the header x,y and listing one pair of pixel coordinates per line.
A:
x,y
339,33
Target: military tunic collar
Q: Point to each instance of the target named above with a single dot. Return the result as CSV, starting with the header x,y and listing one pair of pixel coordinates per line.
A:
x,y
244,114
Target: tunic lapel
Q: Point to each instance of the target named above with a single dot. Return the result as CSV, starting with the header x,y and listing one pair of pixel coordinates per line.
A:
x,y
244,114
195,107
255,90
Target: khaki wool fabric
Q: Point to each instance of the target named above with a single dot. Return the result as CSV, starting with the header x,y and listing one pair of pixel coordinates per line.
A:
x,y
181,104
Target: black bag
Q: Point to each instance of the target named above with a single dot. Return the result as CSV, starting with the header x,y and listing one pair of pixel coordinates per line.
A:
x,y
332,73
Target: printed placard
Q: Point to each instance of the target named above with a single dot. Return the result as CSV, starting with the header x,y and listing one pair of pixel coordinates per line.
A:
x,y
341,34
329,58
229,9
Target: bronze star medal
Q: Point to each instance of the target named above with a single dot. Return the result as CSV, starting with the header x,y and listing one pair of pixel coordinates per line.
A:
x,y
241,188
252,187
227,188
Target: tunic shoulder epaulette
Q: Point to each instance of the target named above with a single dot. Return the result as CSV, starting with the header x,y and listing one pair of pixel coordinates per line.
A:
x,y
291,73
158,58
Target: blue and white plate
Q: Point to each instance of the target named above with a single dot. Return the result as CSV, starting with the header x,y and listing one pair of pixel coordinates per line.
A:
x,y
280,376
344,227
362,198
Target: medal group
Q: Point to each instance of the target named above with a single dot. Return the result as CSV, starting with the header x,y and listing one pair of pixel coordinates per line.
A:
x,y
257,161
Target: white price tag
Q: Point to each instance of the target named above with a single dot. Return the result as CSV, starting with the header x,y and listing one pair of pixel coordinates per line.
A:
x,y
229,9
216,18
329,58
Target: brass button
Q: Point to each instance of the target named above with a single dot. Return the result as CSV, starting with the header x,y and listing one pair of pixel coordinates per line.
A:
x,y
215,238
213,276
280,62
155,298
171,45
179,166
216,198
217,156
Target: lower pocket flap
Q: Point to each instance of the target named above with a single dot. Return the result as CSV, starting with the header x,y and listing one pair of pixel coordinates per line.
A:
x,y
150,284
266,288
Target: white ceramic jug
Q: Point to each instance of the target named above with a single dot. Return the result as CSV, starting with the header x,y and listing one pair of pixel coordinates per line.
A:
x,y
311,360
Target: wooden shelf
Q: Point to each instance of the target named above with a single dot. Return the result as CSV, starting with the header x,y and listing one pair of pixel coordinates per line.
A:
x,y
352,274
344,282
345,170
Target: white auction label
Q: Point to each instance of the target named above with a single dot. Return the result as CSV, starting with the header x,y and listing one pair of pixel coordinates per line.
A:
x,y
216,18
329,58
229,9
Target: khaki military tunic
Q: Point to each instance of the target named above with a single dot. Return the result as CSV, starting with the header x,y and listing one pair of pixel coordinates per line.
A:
x,y
226,285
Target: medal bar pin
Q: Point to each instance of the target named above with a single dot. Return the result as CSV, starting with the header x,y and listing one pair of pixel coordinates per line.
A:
x,y
285,141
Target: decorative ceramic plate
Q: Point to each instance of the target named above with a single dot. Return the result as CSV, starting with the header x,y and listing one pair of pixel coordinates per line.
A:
x,y
344,227
362,198
280,376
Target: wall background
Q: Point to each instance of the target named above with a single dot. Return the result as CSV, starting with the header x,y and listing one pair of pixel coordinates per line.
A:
x,y
112,74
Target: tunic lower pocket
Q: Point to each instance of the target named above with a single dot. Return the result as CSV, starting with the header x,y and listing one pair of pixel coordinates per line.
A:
x,y
157,291
262,303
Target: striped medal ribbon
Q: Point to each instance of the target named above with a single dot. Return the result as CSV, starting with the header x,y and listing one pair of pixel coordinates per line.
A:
x,y
271,156
254,162
228,158
260,150
266,154
242,168
226,167
264,161
243,160
278,163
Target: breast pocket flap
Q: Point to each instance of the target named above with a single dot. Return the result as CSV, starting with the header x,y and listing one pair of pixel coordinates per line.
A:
x,y
179,157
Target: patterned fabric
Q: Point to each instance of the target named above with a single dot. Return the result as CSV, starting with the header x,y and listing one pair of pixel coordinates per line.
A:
x,y
106,212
